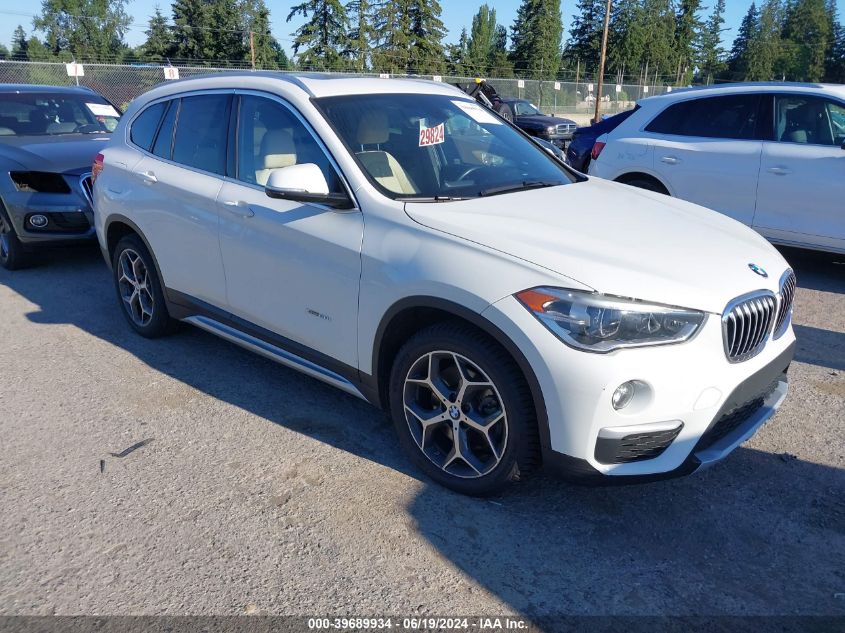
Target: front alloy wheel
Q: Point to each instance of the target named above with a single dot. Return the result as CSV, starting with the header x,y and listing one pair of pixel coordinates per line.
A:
x,y
12,254
455,414
463,409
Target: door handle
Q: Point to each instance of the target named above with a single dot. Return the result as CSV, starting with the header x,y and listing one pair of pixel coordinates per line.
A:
x,y
778,171
239,208
147,176
670,160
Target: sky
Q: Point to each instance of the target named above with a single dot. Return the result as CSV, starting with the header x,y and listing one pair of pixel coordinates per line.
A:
x,y
457,14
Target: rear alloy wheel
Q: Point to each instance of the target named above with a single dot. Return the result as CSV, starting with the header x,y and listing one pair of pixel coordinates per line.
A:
x,y
462,409
12,253
139,289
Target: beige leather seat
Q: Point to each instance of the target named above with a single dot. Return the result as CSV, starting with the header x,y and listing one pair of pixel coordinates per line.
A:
x,y
373,129
277,150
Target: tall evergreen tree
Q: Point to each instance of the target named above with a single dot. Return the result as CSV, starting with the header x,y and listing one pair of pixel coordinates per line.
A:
x,y
190,29
765,50
712,54
227,43
159,44
481,40
426,52
738,61
84,29
500,64
688,31
20,45
835,63
392,25
657,22
361,33
257,22
807,40
456,54
627,36
536,39
320,42
585,35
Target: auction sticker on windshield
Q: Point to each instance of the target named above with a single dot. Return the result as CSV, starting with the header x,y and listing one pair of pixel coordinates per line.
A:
x,y
476,112
102,109
432,135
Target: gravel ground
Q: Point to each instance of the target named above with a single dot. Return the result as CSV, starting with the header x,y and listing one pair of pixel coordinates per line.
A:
x,y
253,489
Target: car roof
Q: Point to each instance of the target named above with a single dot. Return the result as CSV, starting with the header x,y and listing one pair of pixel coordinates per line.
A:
x,y
35,88
314,84
749,87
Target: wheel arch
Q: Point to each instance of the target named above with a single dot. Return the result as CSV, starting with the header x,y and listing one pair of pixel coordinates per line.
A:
x,y
627,177
411,314
119,226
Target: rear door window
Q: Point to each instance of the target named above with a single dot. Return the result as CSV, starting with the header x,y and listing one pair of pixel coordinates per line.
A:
x,y
144,126
727,117
202,131
809,120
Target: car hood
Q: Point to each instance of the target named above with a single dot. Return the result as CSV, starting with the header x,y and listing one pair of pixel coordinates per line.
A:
x,y
61,153
543,121
617,240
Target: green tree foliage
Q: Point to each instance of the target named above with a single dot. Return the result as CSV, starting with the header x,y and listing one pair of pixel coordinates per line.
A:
x,y
190,29
84,29
688,32
536,39
456,54
765,48
584,44
4,52
159,43
427,33
627,36
711,59
738,61
486,47
807,40
321,40
256,17
361,33
228,40
20,44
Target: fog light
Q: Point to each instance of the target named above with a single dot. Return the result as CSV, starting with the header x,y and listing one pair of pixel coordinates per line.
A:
x,y
624,394
38,221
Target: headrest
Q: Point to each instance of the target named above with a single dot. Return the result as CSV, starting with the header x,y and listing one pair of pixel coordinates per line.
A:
x,y
277,149
373,128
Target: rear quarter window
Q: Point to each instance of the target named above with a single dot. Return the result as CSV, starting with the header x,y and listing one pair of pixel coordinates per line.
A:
x,y
144,126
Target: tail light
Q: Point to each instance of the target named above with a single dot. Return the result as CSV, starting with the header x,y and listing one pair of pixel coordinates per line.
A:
x,y
597,149
97,167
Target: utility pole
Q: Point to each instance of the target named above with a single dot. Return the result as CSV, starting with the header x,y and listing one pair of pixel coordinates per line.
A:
x,y
252,48
602,60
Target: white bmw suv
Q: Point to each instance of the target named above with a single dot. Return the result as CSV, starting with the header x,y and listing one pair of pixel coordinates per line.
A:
x,y
397,240
771,155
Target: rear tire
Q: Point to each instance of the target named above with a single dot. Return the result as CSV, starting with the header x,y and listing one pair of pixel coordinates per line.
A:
x,y
13,254
139,290
463,410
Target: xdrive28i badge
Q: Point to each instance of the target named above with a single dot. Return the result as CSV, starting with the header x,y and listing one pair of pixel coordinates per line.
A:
x,y
757,269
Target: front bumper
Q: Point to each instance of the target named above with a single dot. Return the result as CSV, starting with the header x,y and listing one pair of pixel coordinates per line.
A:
x,y
69,216
690,418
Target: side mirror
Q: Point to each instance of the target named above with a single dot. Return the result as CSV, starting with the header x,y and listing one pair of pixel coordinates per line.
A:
x,y
304,183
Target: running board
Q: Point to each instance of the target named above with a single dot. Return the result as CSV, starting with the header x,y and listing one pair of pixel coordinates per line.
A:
x,y
274,353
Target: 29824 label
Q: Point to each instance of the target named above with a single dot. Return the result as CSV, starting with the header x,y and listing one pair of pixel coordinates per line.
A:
x,y
432,135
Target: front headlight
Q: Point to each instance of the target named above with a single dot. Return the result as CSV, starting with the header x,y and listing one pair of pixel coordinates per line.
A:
x,y
601,323
551,130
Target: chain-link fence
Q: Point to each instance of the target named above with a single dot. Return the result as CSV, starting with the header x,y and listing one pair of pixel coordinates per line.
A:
x,y
122,83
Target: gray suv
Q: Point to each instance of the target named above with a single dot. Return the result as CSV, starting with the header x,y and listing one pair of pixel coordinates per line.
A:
x,y
49,137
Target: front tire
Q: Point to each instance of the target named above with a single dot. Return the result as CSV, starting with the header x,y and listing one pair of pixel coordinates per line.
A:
x,y
13,254
139,289
462,409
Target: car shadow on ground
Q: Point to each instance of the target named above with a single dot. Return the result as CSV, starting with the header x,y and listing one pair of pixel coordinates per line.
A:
x,y
762,533
816,270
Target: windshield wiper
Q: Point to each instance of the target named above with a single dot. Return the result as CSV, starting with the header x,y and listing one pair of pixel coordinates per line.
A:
x,y
430,199
523,186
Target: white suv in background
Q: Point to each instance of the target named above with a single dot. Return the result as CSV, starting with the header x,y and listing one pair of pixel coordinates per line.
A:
x,y
771,155
397,240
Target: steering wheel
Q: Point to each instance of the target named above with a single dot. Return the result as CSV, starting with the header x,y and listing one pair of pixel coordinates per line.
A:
x,y
469,171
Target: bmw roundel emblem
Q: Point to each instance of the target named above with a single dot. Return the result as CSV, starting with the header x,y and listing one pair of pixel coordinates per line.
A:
x,y
757,269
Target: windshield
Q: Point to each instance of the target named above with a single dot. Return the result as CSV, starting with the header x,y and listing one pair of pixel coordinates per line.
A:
x,y
437,147
526,108
44,113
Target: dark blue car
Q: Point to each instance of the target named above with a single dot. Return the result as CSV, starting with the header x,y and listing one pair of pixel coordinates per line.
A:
x,y
580,148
